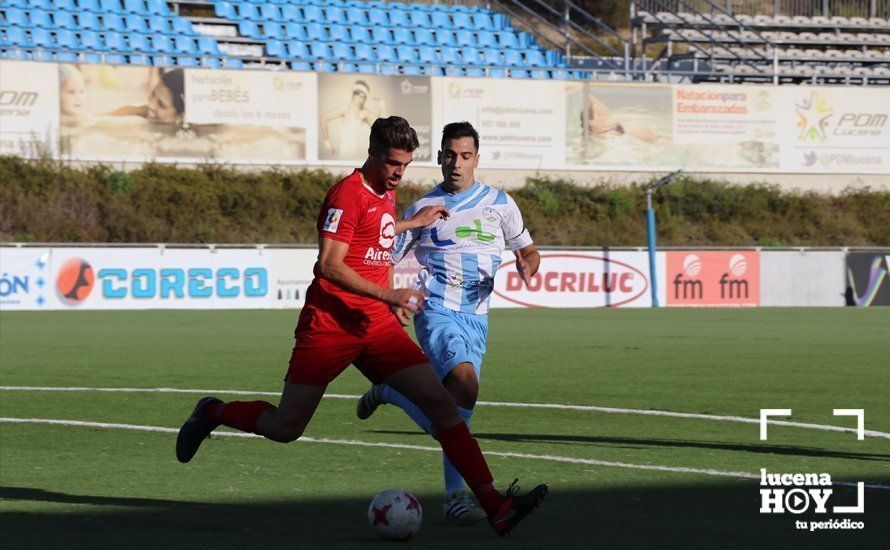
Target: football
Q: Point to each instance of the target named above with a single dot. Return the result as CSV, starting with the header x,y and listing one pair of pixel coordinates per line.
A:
x,y
395,514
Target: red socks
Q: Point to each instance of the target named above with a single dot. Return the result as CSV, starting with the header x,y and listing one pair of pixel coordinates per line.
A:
x,y
463,451
241,415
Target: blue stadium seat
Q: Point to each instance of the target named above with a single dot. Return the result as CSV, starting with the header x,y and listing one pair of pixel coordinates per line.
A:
x,y
540,74
462,20
15,16
139,59
378,17
208,46
248,11
420,19
342,51
360,35
428,55
43,55
471,56
301,66
401,35
111,6
407,54
519,73
314,14
338,33
433,70
249,29
92,58
273,30
183,26
347,68
465,38
290,12
364,52
139,43
389,70
40,18
17,54
232,63
448,55
334,14
386,53
507,39
413,70
492,57
367,68
451,70
297,50
158,6
159,24
135,23
399,18
316,31
115,41
475,72
88,20
483,22
320,50
381,35
186,45
325,67
65,39
270,12
441,20
424,36
42,37
65,20
535,58
184,61
295,30
356,16
67,5
513,58
38,4
162,61
276,48
225,10
91,40
210,62
88,5
113,21
161,43
66,57
486,39
445,37
135,6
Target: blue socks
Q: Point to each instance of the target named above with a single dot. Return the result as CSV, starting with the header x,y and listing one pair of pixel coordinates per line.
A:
x,y
453,479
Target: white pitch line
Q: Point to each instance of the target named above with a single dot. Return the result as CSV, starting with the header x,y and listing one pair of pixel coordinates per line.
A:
x,y
555,406
352,442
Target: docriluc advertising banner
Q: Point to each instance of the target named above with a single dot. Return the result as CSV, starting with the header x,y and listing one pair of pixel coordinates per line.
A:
x,y
705,278
619,125
518,125
838,129
154,278
258,115
29,108
24,278
349,104
726,126
579,279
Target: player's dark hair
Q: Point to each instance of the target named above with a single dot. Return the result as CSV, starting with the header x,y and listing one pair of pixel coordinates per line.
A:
x,y
393,133
457,130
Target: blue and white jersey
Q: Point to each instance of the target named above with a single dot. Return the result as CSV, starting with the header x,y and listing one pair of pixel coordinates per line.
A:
x,y
460,256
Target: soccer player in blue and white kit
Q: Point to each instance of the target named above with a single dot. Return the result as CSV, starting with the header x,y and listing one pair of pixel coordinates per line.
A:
x,y
459,255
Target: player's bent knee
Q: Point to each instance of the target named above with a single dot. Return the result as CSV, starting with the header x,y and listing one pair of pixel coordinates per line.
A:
x,y
285,434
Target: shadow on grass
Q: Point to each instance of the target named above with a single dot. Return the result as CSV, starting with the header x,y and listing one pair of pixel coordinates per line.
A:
x,y
712,515
637,443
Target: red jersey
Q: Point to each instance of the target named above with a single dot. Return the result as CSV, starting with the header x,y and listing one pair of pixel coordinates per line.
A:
x,y
353,213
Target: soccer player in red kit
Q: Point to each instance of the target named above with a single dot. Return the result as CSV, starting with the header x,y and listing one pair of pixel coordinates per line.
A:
x,y
347,320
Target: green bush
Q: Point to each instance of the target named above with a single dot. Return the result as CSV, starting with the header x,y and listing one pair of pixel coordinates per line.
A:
x,y
47,201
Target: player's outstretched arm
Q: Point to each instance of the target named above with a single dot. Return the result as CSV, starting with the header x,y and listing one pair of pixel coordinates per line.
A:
x,y
331,267
424,217
528,260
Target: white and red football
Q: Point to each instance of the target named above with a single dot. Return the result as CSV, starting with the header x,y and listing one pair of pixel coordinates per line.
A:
x,y
395,514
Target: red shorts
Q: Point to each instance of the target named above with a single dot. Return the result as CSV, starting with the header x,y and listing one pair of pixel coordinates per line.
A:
x,y
324,349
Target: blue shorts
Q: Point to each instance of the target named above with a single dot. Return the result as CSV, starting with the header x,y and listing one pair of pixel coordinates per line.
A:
x,y
450,337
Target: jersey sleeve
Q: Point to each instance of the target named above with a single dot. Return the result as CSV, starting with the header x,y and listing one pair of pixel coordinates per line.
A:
x,y
406,239
339,215
515,233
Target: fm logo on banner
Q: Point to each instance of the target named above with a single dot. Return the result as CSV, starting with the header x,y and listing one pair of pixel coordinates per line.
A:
x,y
702,278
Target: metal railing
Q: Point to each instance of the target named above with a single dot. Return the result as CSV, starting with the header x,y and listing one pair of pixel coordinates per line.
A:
x,y
808,8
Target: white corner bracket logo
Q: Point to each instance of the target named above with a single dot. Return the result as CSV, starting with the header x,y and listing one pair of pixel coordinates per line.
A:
x,y
333,220
797,493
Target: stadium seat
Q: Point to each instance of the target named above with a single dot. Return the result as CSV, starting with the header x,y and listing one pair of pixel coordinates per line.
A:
x,y
41,37
356,16
67,5
378,17
464,38
208,46
507,39
389,70
420,19
66,57
316,31
91,40
519,73
451,70
139,43
338,33
483,22
185,61
91,58
162,61
471,56
325,67
275,48
135,7
115,41
158,24
273,30
475,72
364,52
445,37
290,12
270,12
402,36
15,16
407,54
320,50
161,43
462,21
295,31
535,58
249,29
313,14
497,73
135,23
513,58
399,18
433,70
367,68
232,63
342,51
386,53
40,18
113,21
448,55
248,11
111,6
115,59
492,57
88,5
66,39
381,35
139,59
360,35
89,20
424,36
301,66
347,67
540,74
428,55
210,62
442,20
17,36
65,20
334,14
224,10
183,26
185,45
298,50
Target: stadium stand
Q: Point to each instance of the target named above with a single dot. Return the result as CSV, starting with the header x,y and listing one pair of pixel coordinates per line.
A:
x,y
342,36
722,46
